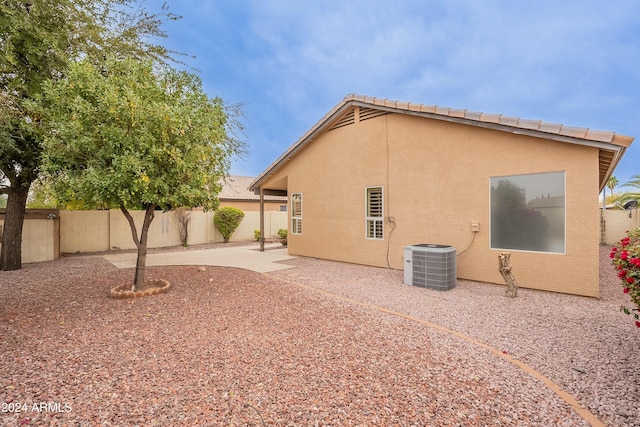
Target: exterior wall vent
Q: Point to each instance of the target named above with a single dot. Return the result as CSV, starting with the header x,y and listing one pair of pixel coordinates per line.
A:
x,y
370,113
347,119
430,266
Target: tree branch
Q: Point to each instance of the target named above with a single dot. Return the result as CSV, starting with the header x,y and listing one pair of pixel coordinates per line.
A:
x,y
132,224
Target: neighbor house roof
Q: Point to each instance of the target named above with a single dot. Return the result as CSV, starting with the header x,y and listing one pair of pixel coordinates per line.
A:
x,y
611,146
546,202
237,188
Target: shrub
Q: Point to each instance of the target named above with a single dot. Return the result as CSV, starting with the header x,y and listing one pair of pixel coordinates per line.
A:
x,y
227,220
182,217
625,256
256,234
283,236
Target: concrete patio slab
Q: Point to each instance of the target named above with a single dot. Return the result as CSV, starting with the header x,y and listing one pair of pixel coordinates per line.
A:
x,y
246,257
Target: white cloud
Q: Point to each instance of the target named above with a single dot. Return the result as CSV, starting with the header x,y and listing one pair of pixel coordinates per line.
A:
x,y
575,62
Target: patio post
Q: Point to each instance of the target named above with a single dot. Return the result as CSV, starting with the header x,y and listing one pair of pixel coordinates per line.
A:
x,y
261,220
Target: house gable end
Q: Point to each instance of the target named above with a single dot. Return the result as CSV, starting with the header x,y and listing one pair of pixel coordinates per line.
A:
x,y
348,118
356,108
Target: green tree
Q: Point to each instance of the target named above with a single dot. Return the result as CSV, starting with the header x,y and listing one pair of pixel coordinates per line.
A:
x,y
37,40
227,220
137,136
41,197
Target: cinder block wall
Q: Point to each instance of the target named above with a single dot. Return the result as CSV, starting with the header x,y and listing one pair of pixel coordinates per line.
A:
x,y
95,231
38,240
617,223
163,230
84,231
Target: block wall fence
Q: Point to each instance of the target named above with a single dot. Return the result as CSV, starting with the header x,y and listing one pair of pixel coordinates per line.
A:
x,y
614,224
98,231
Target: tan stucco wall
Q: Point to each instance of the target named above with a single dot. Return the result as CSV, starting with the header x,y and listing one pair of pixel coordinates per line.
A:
x,y
98,231
94,231
436,177
617,223
38,240
162,231
84,231
246,206
273,221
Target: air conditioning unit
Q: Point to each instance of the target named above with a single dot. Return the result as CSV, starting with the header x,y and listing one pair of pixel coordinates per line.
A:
x,y
430,266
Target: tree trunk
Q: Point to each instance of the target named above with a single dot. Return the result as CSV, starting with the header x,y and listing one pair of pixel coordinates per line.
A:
x,y
141,243
504,266
11,253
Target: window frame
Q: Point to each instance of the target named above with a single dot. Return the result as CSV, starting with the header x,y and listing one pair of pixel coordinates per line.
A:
x,y
378,230
296,217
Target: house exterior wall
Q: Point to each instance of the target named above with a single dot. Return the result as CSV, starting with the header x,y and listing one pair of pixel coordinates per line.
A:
x,y
436,179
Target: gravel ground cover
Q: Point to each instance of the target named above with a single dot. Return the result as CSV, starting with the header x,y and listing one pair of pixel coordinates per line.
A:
x,y
232,347
585,345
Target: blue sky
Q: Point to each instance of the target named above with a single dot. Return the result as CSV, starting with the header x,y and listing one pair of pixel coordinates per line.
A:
x,y
290,61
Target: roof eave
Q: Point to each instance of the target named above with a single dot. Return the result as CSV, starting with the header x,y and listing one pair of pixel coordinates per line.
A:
x,y
612,166
607,141
316,129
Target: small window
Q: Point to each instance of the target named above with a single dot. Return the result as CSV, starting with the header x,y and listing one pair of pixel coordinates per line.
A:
x,y
374,213
296,213
283,208
528,212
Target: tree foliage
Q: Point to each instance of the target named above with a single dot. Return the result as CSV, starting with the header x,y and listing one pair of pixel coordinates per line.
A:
x,y
128,134
37,41
612,183
41,196
227,220
634,184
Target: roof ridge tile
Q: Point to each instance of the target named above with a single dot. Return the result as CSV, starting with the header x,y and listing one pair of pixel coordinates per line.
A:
x,y
518,122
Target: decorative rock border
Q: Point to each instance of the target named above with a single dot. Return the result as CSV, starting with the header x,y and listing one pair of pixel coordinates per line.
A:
x,y
152,287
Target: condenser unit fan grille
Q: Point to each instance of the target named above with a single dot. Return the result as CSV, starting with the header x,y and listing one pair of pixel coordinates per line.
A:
x,y
430,266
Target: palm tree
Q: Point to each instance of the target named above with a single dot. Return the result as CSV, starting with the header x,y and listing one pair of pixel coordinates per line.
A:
x,y
612,183
633,195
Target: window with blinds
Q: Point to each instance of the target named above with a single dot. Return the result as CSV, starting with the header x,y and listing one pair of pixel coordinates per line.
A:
x,y
374,213
296,213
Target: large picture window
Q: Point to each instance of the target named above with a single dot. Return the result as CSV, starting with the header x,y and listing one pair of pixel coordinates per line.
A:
x,y
296,213
374,213
528,212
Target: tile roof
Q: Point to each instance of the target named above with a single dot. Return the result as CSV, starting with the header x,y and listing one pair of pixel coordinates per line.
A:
x,y
236,187
611,145
515,122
